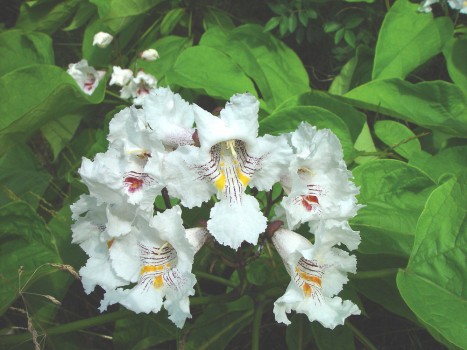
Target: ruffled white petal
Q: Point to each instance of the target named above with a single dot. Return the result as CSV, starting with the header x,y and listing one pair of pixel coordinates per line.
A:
x,y
85,76
334,232
120,77
231,223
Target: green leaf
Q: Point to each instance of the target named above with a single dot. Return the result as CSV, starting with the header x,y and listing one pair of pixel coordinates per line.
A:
x,y
25,243
303,18
292,23
271,24
298,334
209,69
283,26
143,331
349,38
171,19
351,117
355,72
407,39
19,49
84,13
433,284
288,119
340,337
217,18
339,35
118,14
330,27
398,137
48,93
21,176
59,132
365,143
394,194
275,68
448,161
47,17
169,48
455,52
433,104
219,324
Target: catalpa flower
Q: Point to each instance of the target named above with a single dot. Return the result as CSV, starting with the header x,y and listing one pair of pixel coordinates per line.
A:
x,y
158,255
149,55
138,87
230,158
90,231
120,76
102,39
318,182
317,273
169,117
85,76
130,170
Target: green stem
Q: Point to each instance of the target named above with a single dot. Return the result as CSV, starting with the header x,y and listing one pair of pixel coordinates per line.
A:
x,y
257,325
69,327
214,299
217,279
361,337
113,94
363,275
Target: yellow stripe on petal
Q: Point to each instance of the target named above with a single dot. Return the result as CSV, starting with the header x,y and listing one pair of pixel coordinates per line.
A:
x,y
150,268
242,177
158,282
220,182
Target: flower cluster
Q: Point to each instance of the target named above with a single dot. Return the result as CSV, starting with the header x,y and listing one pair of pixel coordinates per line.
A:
x,y
169,149
457,5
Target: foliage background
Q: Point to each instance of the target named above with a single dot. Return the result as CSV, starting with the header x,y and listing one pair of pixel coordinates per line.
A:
x,y
391,82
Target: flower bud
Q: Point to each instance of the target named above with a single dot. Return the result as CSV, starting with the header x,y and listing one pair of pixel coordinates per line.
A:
x,y
102,39
149,55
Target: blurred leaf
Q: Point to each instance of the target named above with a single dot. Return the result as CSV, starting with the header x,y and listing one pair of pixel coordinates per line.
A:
x,y
47,93
118,14
171,19
44,16
85,11
21,176
407,39
330,27
209,69
351,117
433,284
292,23
283,26
455,52
394,194
25,243
340,337
219,324
19,49
217,18
169,48
141,331
349,38
355,72
288,119
271,24
303,18
59,132
339,35
298,334
432,104
275,68
448,161
398,137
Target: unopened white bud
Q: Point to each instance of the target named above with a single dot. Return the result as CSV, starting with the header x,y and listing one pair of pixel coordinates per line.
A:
x,y
149,55
102,39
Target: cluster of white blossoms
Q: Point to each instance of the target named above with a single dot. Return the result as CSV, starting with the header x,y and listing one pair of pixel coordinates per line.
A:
x,y
142,255
458,5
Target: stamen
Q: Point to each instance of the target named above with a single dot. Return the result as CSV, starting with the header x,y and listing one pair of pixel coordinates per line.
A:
x,y
230,145
109,243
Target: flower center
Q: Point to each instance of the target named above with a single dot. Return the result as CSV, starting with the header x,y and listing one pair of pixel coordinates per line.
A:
x,y
134,181
157,263
308,275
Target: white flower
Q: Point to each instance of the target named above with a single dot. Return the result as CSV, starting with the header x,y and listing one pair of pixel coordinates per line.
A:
x,y
149,55
138,87
102,39
120,76
86,76
170,118
317,273
334,232
318,183
130,170
90,231
230,158
460,5
159,257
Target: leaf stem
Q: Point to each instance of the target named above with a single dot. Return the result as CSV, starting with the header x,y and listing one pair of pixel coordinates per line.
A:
x,y
363,275
257,325
208,276
361,337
